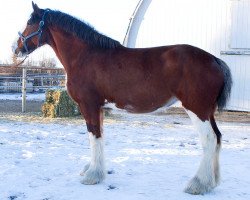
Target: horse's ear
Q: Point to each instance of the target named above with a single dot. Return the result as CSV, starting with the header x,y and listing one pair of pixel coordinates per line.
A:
x,y
36,9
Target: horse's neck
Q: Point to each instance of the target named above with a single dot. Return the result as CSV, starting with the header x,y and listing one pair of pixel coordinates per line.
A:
x,y
66,47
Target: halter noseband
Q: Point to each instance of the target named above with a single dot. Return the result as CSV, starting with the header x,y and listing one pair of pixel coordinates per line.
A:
x,y
38,32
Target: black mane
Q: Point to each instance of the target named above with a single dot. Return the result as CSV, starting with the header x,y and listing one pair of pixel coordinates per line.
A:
x,y
81,30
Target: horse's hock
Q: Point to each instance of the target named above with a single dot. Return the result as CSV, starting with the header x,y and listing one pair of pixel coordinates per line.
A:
x,y
59,104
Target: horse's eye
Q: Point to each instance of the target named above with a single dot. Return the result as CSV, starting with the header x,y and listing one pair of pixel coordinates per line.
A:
x,y
29,22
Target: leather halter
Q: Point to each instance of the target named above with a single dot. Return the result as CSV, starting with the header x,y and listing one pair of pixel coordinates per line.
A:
x,y
39,32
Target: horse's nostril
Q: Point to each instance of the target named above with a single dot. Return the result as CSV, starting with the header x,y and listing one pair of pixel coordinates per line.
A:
x,y
14,47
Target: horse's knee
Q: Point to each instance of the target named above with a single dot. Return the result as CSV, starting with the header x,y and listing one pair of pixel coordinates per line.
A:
x,y
94,129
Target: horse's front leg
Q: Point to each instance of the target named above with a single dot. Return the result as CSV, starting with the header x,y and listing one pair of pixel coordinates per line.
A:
x,y
94,172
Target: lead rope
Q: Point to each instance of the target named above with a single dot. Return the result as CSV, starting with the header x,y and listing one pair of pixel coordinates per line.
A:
x,y
21,62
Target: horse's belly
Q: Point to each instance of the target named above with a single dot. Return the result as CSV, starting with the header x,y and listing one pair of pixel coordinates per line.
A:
x,y
146,106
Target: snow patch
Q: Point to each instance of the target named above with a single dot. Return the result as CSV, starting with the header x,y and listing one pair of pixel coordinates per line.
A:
x,y
18,96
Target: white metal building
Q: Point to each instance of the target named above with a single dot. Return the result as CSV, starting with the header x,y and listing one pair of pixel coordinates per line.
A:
x,y
221,27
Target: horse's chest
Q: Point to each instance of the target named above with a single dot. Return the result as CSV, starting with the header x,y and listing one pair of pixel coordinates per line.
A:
x,y
73,90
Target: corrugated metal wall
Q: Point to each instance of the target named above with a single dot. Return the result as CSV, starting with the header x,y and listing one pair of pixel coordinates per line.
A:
x,y
213,25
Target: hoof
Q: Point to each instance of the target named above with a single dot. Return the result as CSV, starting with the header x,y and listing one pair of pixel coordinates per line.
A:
x,y
197,187
86,167
92,177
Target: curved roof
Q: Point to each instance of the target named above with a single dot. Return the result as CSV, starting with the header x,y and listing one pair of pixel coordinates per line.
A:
x,y
135,22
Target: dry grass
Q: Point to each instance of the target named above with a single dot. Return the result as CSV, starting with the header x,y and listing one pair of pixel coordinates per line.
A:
x,y
11,111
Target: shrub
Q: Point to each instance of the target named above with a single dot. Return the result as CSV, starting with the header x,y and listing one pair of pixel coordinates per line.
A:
x,y
59,104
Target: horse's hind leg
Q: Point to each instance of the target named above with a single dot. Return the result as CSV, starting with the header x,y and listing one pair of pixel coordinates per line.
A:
x,y
218,147
207,176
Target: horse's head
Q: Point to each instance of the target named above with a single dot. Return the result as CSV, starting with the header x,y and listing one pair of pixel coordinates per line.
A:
x,y
34,34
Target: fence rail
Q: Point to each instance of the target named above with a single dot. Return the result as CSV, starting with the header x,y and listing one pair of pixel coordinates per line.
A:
x,y
33,83
30,83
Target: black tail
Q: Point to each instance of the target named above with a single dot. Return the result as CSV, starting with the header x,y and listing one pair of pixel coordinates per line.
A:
x,y
226,90
216,130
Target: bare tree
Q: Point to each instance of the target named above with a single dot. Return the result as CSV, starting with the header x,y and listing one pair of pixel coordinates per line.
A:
x,y
47,62
15,60
30,62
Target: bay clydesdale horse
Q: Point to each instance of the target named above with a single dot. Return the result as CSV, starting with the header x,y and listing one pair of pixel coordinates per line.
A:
x,y
100,69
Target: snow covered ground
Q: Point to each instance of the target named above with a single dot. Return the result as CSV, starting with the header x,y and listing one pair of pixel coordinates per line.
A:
x,y
148,157
18,96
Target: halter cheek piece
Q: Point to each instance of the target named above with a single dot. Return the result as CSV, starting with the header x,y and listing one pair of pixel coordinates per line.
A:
x,y
39,32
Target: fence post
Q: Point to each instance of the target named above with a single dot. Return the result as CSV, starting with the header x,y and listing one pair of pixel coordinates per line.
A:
x,y
42,81
24,90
